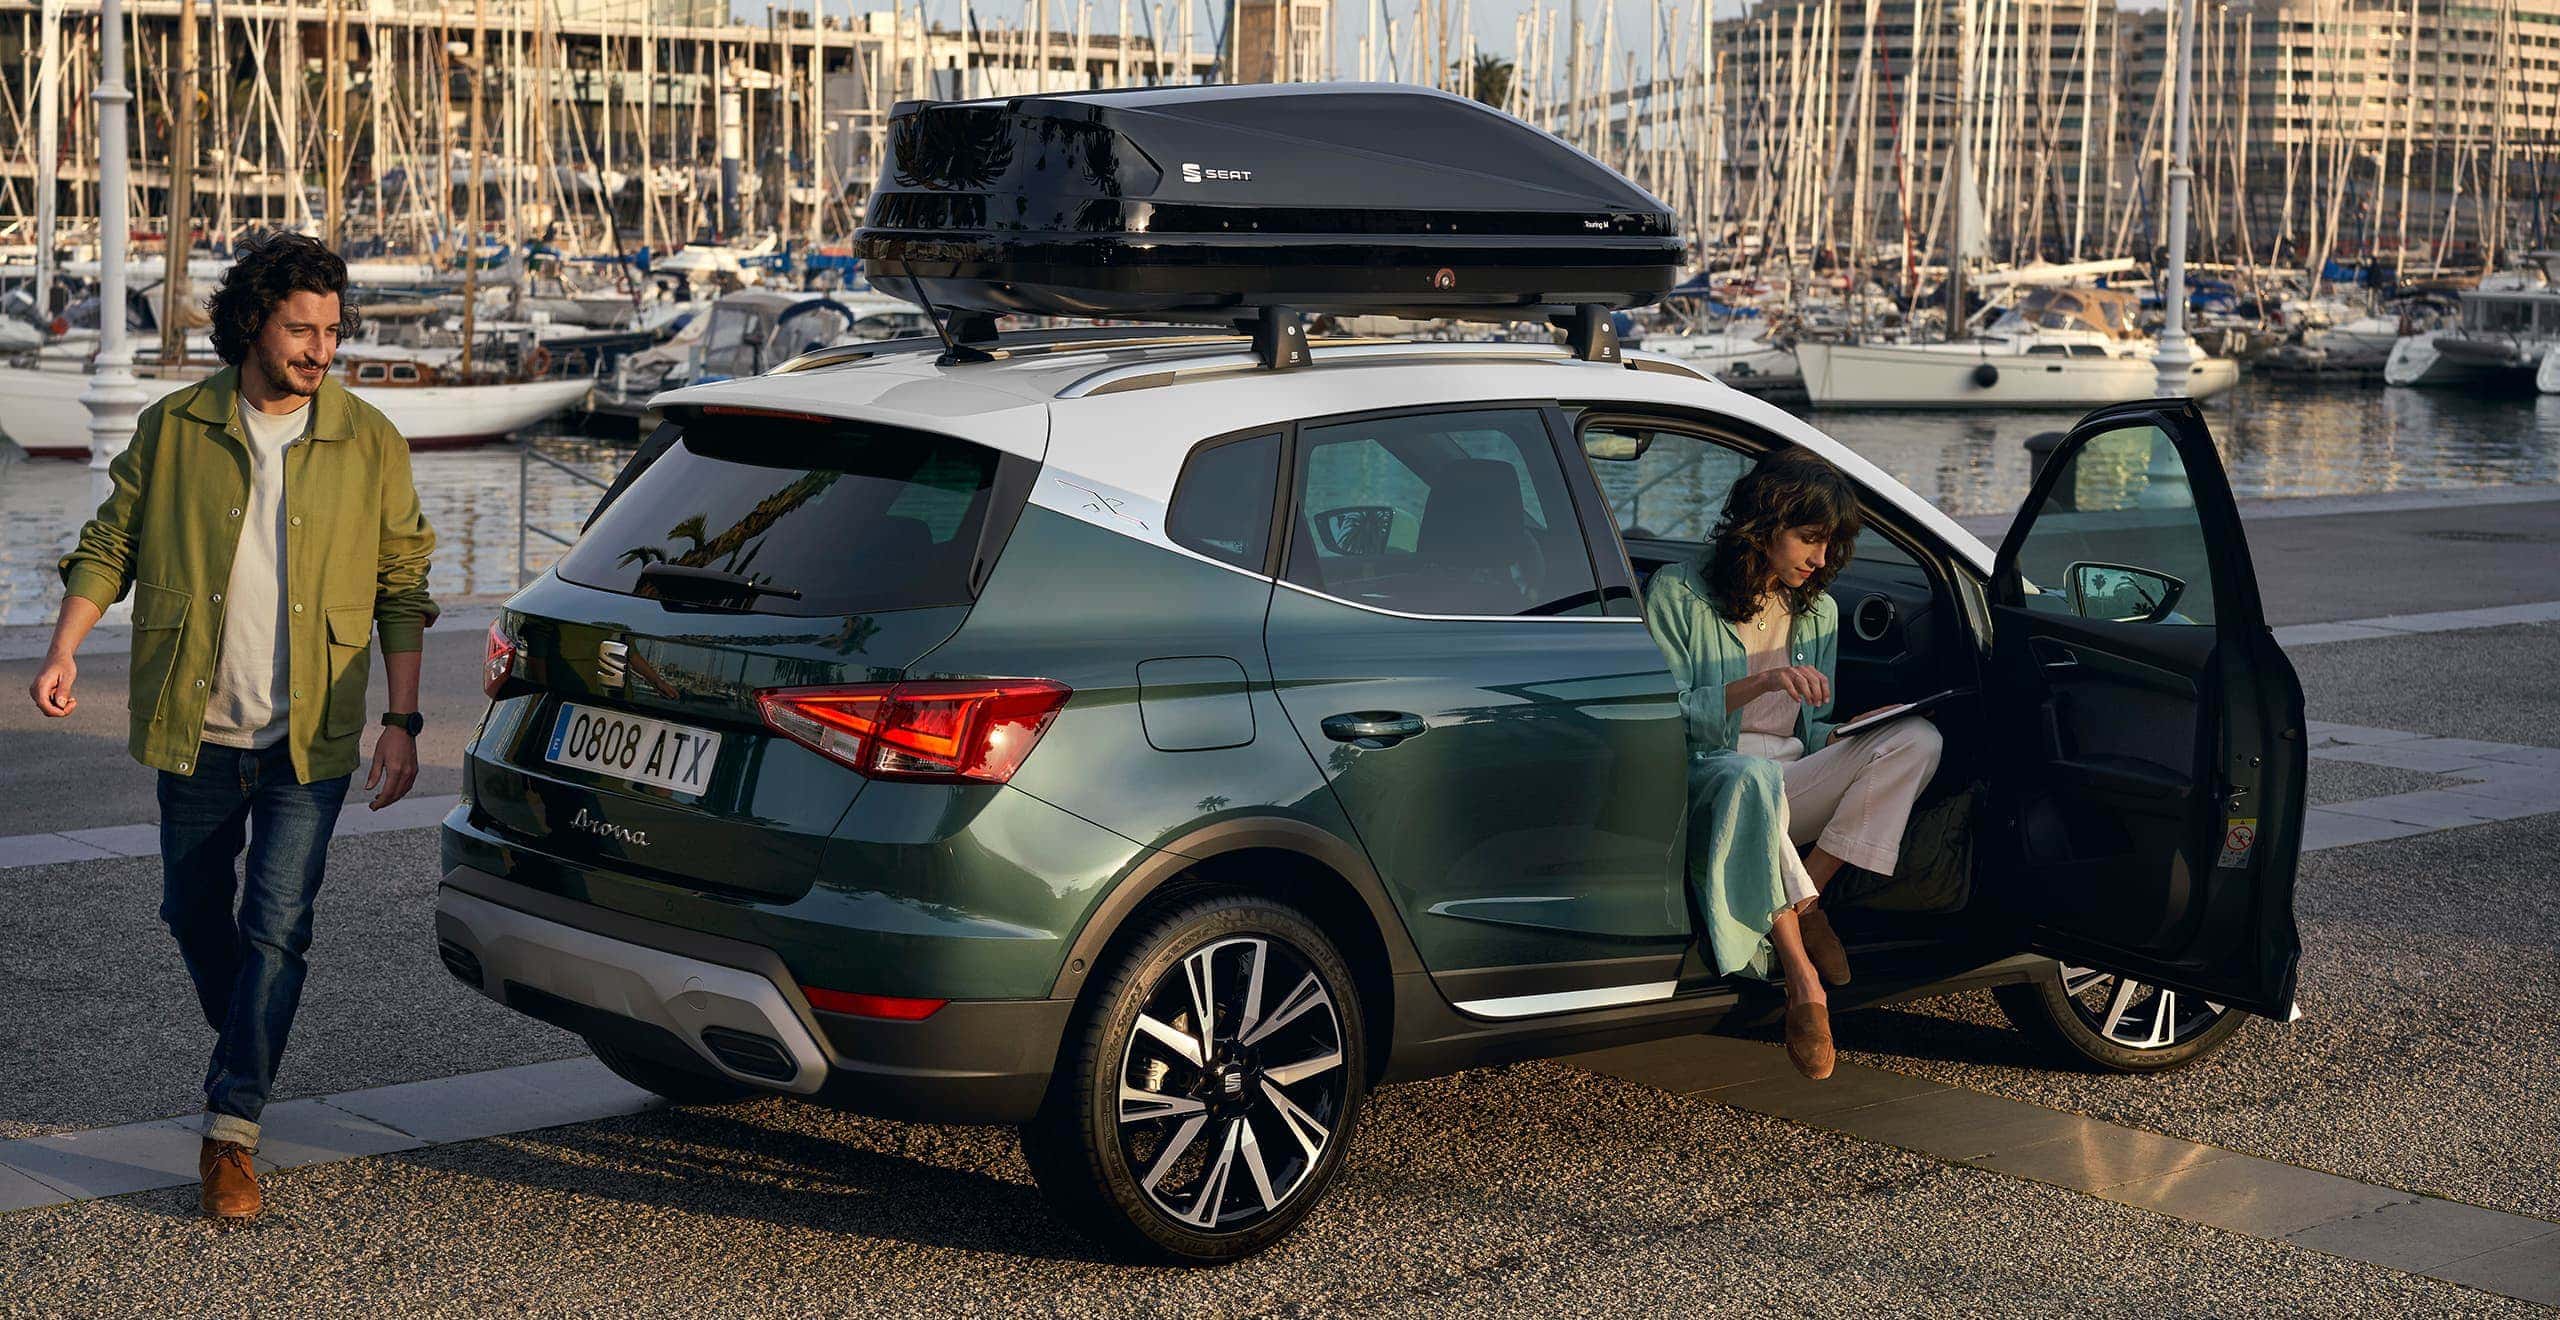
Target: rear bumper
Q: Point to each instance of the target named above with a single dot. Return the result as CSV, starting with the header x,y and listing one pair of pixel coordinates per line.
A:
x,y
727,1008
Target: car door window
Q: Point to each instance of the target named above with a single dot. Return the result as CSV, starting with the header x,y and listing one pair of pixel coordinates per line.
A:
x,y
1444,513
2117,537
1661,485
1222,503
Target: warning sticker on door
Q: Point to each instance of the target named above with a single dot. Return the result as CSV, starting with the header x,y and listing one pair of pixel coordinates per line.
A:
x,y
2239,840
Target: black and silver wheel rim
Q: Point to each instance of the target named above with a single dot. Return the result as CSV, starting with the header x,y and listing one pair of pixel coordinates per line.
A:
x,y
1232,1083
2136,1015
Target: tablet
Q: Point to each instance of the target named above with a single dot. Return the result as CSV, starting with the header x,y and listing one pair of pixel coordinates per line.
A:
x,y
1891,713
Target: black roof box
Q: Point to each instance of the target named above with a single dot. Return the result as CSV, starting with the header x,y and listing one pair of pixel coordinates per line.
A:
x,y
1211,203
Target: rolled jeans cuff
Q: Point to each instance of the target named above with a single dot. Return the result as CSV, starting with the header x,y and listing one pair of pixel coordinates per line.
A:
x,y
232,1128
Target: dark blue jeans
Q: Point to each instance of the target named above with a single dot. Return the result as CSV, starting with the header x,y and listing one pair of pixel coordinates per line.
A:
x,y
244,945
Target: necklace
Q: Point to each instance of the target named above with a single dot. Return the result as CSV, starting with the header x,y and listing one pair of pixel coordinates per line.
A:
x,y
1762,623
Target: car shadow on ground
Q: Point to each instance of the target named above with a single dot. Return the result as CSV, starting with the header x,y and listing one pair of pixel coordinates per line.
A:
x,y
1904,1033
882,1180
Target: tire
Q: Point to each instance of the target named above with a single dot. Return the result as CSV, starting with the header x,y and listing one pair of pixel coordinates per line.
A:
x,y
677,1085
2068,1011
1166,1147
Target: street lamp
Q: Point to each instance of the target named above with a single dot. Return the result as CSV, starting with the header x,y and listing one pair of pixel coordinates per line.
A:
x,y
114,398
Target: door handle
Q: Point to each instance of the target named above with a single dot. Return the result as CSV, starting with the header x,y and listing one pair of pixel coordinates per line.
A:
x,y
2054,655
1373,728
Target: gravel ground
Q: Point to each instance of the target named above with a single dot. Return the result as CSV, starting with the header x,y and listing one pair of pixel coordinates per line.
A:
x,y
1600,1197
118,1036
2500,684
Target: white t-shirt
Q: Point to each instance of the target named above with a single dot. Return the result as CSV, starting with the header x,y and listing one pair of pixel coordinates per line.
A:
x,y
1769,720
247,707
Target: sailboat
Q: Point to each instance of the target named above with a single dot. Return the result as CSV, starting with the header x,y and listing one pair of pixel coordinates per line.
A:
x,y
41,410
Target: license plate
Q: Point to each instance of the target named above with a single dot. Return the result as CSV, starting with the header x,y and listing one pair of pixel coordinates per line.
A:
x,y
643,751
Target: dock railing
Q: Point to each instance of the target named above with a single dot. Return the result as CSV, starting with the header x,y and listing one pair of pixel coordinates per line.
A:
x,y
526,528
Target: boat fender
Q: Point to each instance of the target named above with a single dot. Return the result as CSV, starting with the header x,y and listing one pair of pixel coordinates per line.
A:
x,y
1986,375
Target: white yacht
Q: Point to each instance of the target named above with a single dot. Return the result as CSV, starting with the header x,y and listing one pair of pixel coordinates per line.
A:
x,y
2056,348
2507,337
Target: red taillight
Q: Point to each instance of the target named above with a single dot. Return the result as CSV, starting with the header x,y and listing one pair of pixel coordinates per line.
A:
x,y
872,1006
944,731
501,664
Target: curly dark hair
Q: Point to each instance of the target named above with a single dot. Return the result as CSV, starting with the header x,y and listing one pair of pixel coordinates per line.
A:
x,y
269,267
1790,487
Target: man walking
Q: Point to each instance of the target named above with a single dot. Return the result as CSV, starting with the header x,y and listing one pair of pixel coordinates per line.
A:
x,y
266,524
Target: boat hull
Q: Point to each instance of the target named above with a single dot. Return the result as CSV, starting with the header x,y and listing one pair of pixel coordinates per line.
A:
x,y
2439,361
41,410
1898,376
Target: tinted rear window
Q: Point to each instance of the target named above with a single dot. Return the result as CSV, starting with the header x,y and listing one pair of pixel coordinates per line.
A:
x,y
855,518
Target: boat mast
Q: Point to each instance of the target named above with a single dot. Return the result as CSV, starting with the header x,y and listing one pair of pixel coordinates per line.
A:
x,y
2175,359
1957,179
479,150
182,180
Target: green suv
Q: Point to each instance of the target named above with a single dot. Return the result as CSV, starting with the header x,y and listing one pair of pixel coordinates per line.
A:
x,y
1110,736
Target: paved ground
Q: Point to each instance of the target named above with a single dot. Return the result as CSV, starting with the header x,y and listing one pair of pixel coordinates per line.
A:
x,y
2431,984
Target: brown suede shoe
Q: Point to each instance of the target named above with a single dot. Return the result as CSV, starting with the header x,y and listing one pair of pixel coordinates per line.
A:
x,y
230,1183
1822,945
1809,1040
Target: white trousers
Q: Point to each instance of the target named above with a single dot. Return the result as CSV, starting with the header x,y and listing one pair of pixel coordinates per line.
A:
x,y
1854,797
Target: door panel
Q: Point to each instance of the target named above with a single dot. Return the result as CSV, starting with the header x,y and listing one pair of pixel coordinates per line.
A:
x,y
2152,760
1509,754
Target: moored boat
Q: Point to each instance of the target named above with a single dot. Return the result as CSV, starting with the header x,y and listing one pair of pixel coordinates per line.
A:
x,y
42,412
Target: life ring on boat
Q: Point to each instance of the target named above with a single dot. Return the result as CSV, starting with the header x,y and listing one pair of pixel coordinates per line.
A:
x,y
1986,375
538,362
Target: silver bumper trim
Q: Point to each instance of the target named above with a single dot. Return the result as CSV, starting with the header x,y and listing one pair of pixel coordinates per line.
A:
x,y
668,990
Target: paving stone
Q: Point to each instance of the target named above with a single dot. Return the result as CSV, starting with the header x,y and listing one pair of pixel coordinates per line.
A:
x,y
2100,1156
303,1132
133,1157
2320,634
1687,1064
2246,1194
20,1191
493,1103
406,814
123,840
2421,1235
2529,1270
2399,756
2534,792
2435,809
45,849
2324,828
1849,1087
1959,1124
2356,733
2540,758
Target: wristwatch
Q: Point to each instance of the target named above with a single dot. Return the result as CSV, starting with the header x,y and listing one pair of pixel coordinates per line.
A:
x,y
413,721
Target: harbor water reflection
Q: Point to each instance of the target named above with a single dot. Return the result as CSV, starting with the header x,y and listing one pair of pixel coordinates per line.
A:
x,y
2278,438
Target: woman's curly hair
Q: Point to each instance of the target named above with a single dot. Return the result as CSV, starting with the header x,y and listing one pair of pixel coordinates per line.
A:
x,y
1790,487
267,269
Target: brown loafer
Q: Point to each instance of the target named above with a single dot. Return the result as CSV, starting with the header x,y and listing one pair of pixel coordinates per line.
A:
x,y
1809,1040
230,1182
1822,945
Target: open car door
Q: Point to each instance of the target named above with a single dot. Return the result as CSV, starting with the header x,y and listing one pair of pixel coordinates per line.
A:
x,y
2150,786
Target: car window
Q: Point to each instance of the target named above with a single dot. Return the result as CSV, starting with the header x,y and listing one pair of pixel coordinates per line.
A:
x,y
2118,537
1450,513
1222,503
1662,485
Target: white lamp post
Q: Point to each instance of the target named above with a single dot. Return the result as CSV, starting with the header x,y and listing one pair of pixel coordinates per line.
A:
x,y
113,398
2176,357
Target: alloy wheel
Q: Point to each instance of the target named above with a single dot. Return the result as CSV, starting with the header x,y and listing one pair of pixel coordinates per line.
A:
x,y
1231,1083
2136,1014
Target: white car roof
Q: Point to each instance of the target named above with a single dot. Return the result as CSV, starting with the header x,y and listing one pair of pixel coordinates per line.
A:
x,y
1112,423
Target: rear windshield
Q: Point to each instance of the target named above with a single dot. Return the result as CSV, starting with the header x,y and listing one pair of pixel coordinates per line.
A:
x,y
854,518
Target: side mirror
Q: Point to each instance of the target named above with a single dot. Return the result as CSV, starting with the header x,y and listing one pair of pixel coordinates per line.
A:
x,y
2121,593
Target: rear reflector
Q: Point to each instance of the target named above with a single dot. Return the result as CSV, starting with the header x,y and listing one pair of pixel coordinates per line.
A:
x,y
942,731
501,661
872,1006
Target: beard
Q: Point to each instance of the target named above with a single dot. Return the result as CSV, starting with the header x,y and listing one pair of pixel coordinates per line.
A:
x,y
281,376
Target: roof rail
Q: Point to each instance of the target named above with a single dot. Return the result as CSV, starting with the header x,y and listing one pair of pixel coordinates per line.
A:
x,y
1019,343
1354,352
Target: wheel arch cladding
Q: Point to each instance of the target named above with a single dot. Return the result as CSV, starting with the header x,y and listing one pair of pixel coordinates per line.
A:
x,y
1332,900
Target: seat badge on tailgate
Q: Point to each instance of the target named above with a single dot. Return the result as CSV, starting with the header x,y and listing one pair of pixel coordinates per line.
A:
x,y
612,663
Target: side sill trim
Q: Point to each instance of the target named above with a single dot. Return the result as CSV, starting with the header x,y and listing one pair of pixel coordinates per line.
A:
x,y
1568,1001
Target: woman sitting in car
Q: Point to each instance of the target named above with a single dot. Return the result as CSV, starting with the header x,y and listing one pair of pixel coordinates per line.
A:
x,y
1752,635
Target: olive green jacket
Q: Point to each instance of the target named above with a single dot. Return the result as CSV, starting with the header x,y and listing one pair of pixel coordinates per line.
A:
x,y
356,550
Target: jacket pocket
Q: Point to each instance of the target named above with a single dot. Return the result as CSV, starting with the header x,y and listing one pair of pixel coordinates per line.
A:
x,y
350,629
159,633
